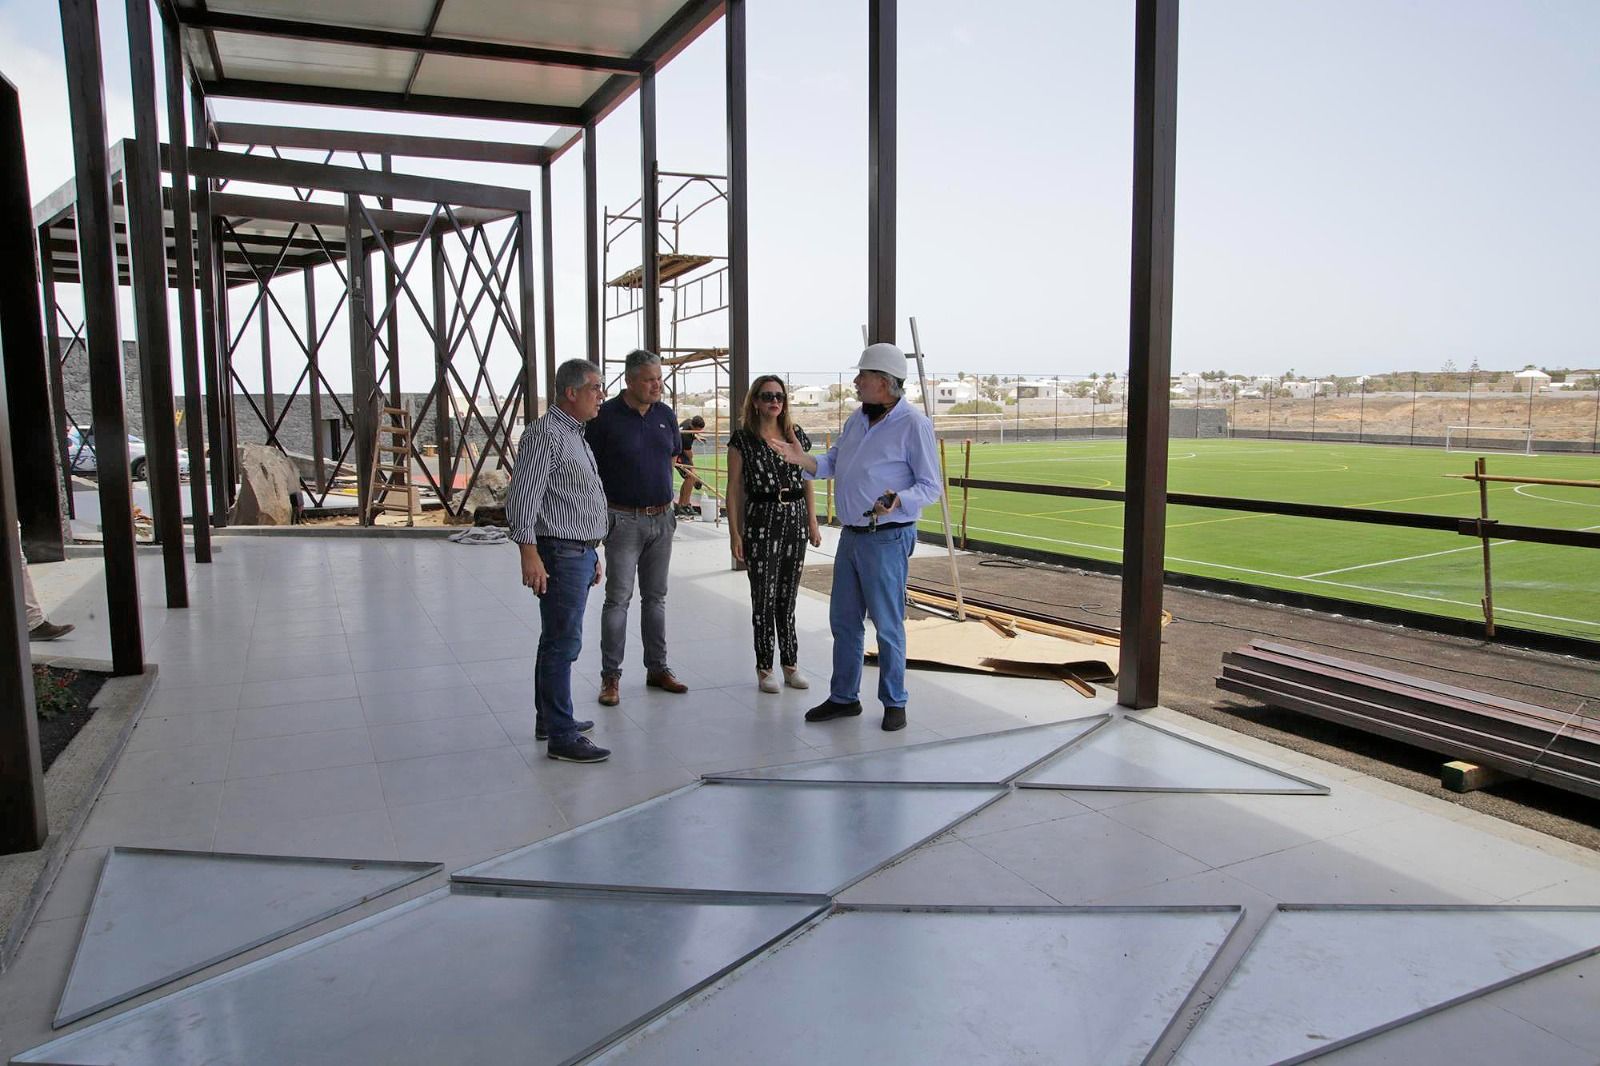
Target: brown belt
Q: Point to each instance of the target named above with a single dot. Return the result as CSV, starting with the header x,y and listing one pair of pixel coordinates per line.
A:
x,y
625,509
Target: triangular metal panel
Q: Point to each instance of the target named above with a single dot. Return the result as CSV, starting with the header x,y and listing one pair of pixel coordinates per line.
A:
x,y
464,974
1322,977
1132,755
921,986
991,759
749,837
158,915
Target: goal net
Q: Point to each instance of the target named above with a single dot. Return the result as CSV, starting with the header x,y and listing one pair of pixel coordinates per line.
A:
x,y
1517,439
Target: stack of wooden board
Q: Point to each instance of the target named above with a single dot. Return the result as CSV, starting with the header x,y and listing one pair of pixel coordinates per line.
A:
x,y
1519,739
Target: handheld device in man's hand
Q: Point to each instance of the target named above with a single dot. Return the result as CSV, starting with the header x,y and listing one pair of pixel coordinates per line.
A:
x,y
886,501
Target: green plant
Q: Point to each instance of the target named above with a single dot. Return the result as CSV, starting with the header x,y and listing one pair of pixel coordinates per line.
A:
x,y
52,691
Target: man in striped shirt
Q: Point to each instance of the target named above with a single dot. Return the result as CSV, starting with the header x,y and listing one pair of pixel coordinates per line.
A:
x,y
557,510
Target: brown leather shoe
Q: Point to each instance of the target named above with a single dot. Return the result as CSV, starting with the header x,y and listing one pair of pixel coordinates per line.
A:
x,y
665,681
609,696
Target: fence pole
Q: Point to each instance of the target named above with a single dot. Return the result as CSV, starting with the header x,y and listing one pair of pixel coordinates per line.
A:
x,y
966,493
1472,379
1413,407
1481,468
1361,417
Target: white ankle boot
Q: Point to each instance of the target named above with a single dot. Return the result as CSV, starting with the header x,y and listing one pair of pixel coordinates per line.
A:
x,y
794,678
767,681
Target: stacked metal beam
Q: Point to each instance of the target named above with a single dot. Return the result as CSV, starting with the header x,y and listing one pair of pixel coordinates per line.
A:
x,y
1521,739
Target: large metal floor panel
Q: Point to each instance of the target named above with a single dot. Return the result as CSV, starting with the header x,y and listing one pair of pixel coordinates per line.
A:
x,y
991,759
1131,755
1319,978
158,915
922,986
742,838
463,975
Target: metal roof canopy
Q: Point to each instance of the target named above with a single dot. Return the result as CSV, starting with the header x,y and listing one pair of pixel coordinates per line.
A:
x,y
263,225
557,64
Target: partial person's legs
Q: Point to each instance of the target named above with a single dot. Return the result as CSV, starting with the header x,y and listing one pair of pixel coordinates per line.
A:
x,y
560,637
758,568
623,545
689,481
30,599
847,616
786,589
654,560
884,589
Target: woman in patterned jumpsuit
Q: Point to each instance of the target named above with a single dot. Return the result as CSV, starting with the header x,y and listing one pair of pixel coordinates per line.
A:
x,y
771,514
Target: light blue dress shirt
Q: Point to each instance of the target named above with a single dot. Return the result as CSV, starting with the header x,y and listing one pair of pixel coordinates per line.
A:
x,y
896,455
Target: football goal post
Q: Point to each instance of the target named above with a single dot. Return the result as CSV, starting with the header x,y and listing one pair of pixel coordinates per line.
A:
x,y
1516,439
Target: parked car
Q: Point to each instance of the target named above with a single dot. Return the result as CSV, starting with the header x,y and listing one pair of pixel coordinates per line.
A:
x,y
80,447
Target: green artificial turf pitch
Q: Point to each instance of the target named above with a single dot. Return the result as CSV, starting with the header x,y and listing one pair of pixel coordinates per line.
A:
x,y
1536,586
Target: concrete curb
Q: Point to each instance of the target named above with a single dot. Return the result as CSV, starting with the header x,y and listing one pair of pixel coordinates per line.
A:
x,y
71,787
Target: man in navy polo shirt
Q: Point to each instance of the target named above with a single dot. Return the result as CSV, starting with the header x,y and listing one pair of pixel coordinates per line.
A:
x,y
634,439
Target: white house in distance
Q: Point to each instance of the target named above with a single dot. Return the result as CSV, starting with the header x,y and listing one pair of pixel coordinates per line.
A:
x,y
1304,390
954,391
1531,380
809,395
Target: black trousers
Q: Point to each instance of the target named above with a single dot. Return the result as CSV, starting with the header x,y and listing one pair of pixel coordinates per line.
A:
x,y
774,553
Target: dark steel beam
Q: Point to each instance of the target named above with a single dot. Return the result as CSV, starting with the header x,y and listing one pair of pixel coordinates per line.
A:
x,y
33,452
23,822
547,232
240,207
591,250
525,310
400,144
80,35
882,75
649,210
212,290
183,251
676,34
363,374
265,170
313,356
443,416
1155,138
148,247
301,30
451,106
738,207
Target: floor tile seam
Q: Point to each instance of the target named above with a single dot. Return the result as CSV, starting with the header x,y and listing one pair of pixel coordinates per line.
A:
x,y
1025,825
1111,812
309,769
1379,846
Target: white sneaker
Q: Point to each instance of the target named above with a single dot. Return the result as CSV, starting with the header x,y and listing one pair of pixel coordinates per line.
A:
x,y
768,681
794,678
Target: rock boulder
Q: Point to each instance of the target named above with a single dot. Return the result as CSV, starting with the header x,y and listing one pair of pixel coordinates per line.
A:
x,y
489,491
266,478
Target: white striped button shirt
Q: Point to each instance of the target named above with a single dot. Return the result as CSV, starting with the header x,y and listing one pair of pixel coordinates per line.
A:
x,y
555,486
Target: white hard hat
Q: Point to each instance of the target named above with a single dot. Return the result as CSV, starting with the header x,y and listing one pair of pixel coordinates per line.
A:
x,y
884,358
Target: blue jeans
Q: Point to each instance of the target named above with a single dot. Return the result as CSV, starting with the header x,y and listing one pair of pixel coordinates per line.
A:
x,y
638,547
869,580
570,565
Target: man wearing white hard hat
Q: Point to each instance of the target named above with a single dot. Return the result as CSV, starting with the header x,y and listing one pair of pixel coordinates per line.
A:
x,y
885,467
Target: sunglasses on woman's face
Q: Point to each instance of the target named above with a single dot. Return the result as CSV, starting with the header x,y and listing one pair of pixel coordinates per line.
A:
x,y
770,397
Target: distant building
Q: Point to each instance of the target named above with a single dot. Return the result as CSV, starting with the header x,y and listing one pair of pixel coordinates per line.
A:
x,y
809,395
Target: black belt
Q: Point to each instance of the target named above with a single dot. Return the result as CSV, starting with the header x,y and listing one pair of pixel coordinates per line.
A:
x,y
781,496
570,540
879,528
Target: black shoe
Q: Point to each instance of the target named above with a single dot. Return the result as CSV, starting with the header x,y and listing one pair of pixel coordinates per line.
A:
x,y
578,749
540,733
828,710
894,718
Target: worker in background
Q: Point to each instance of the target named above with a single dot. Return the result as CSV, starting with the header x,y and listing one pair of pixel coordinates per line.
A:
x,y
689,437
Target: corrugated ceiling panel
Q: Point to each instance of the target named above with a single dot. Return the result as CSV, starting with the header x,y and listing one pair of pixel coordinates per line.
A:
x,y
310,63
410,16
495,80
604,27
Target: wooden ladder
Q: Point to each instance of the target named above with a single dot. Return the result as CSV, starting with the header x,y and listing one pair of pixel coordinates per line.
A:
x,y
391,467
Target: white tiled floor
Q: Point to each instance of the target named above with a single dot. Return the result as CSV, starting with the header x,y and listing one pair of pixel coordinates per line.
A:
x,y
372,698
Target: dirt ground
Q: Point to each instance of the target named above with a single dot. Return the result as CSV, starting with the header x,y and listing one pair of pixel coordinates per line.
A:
x,y
1204,626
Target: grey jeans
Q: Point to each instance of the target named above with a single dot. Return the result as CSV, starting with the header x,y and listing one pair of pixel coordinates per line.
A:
x,y
638,546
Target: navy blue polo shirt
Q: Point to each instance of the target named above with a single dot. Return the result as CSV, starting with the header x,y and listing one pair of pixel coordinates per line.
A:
x,y
634,452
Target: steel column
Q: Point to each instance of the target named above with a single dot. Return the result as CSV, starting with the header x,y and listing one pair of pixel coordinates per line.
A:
x,y
882,49
80,34
1155,114
547,229
530,350
147,244
738,208
58,386
27,364
649,210
23,825
183,237
363,383
314,373
264,317
442,413
391,294
230,420
212,292
591,250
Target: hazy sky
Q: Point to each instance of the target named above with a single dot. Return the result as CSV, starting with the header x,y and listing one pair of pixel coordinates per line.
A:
x,y
1363,185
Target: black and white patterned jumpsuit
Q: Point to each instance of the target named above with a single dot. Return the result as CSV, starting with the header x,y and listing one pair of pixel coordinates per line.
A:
x,y
774,543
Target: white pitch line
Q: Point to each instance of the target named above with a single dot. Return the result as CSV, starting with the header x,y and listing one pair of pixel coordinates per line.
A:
x,y
1520,491
1406,559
